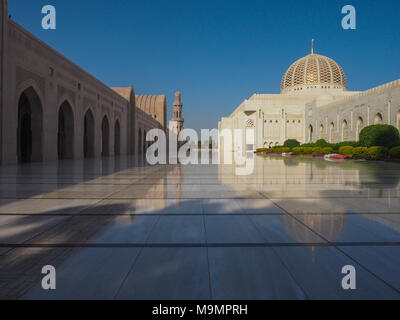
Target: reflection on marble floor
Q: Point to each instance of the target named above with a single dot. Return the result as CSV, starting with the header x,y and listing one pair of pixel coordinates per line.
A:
x,y
119,229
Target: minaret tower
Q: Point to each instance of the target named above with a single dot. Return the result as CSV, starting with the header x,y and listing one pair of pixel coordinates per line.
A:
x,y
177,119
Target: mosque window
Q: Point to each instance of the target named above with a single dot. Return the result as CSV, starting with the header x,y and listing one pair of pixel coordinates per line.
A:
x,y
51,72
250,123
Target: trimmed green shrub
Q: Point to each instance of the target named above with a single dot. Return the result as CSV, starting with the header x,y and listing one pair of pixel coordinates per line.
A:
x,y
337,146
327,150
291,143
346,150
261,150
378,153
322,143
360,152
395,152
279,149
317,150
298,150
380,135
307,150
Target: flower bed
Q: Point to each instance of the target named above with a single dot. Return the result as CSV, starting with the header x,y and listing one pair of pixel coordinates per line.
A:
x,y
387,135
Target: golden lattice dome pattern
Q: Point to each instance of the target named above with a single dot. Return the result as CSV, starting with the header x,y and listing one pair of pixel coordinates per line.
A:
x,y
314,71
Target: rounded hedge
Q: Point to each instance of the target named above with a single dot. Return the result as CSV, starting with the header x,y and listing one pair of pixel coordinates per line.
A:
x,y
282,149
378,153
346,150
327,150
395,152
316,150
308,150
291,143
279,149
380,135
322,143
298,150
360,152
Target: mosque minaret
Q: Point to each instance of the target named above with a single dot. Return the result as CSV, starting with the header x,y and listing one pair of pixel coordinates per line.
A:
x,y
177,120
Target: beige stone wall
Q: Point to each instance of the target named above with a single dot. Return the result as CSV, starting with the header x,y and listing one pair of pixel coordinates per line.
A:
x,y
155,106
342,120
151,113
275,118
307,118
143,125
40,84
3,29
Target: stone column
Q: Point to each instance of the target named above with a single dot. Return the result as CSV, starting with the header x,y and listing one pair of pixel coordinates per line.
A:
x,y
50,121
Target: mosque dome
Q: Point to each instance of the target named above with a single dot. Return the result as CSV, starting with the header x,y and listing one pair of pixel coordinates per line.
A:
x,y
314,71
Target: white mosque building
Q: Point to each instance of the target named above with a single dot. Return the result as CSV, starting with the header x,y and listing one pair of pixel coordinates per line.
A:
x,y
313,104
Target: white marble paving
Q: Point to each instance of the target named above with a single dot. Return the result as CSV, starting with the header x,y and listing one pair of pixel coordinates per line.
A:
x,y
118,229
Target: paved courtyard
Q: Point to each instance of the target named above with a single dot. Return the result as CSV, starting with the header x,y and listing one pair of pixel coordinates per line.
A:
x,y
118,229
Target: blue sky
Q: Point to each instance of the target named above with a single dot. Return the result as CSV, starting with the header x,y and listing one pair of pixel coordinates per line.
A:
x,y
217,52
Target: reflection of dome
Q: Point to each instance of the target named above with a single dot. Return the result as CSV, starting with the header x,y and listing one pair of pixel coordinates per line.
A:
x,y
331,226
313,71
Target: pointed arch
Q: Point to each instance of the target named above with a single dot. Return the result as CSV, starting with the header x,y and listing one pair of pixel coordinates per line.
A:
x,y
105,137
332,132
117,138
30,126
88,134
345,130
378,118
360,126
65,135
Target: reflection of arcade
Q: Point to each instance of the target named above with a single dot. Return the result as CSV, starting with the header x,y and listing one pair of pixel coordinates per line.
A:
x,y
84,226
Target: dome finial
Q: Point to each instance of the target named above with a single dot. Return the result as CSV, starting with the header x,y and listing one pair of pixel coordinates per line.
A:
x,y
312,46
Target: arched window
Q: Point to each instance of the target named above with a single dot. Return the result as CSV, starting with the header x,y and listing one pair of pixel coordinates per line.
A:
x,y
332,132
88,134
310,133
345,131
249,123
360,125
105,137
378,118
30,127
65,137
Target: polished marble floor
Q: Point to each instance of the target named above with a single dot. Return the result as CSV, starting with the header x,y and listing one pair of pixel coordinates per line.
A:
x,y
119,229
